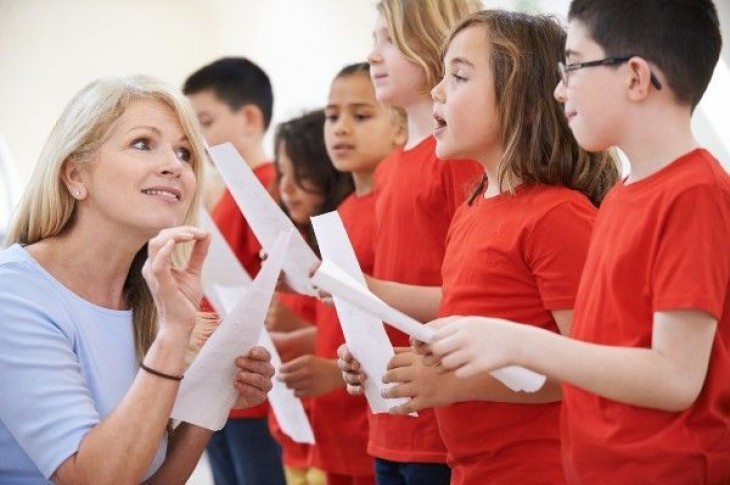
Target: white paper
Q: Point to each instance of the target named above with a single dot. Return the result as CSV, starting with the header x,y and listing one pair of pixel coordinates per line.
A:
x,y
264,216
287,408
224,285
224,278
335,281
365,335
207,393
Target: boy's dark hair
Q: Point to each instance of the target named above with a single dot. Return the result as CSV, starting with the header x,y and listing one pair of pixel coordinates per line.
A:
x,y
305,146
357,68
682,37
237,82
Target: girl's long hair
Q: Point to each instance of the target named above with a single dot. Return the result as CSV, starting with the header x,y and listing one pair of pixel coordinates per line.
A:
x,y
539,147
419,27
303,139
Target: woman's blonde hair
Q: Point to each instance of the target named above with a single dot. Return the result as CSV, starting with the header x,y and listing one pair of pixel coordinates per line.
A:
x,y
419,27
47,208
539,147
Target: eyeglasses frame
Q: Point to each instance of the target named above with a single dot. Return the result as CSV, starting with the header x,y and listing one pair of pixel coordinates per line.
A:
x,y
564,69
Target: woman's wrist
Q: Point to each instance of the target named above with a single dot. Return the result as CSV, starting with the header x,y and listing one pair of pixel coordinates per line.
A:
x,y
167,352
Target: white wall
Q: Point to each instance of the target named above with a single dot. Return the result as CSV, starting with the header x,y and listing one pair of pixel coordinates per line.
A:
x,y
49,49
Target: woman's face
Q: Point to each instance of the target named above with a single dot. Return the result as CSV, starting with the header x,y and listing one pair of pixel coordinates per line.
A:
x,y
141,179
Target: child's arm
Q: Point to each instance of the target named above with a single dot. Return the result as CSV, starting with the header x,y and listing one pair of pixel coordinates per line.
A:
x,y
432,386
281,318
668,376
420,302
291,345
309,375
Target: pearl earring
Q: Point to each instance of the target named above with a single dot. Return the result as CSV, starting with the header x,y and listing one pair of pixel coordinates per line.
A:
x,y
77,193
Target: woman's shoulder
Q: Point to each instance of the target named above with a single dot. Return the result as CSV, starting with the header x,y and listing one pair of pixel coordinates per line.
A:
x,y
16,266
24,286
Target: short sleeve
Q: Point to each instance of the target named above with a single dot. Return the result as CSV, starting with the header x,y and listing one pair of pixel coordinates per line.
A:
x,y
556,252
45,405
692,265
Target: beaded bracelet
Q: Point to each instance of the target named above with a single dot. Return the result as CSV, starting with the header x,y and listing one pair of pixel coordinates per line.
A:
x,y
160,374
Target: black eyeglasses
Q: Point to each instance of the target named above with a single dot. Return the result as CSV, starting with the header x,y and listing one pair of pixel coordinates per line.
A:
x,y
609,61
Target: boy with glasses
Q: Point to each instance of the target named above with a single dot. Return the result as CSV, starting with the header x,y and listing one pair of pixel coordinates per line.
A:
x,y
645,372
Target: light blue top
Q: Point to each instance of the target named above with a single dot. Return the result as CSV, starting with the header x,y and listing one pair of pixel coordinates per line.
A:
x,y
65,364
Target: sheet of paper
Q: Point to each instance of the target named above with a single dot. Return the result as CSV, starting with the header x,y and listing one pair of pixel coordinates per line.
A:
x,y
224,286
287,408
335,281
264,216
364,333
224,278
206,393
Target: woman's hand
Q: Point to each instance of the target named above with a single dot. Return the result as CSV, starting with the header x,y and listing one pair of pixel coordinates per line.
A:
x,y
351,370
253,377
176,292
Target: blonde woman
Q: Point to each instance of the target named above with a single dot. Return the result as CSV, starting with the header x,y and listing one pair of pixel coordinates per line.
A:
x,y
94,318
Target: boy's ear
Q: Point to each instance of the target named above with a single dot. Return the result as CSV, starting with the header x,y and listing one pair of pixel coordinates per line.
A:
x,y
252,116
640,80
73,178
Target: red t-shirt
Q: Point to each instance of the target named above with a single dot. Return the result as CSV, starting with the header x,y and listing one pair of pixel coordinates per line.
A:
x,y
293,454
239,236
659,244
340,421
519,257
416,196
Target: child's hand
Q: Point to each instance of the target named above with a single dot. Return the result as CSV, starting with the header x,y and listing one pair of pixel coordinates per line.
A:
x,y
471,345
310,376
253,378
422,385
204,328
323,296
352,374
423,350
281,284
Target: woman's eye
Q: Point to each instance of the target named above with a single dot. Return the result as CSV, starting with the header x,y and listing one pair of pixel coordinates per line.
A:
x,y
141,144
331,118
183,154
362,117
